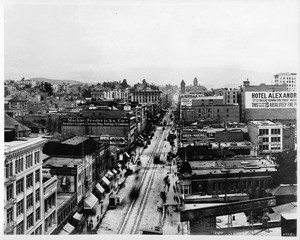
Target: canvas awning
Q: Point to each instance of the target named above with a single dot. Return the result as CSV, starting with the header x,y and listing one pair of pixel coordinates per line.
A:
x,y
77,216
141,138
90,202
106,181
109,174
69,228
100,188
126,154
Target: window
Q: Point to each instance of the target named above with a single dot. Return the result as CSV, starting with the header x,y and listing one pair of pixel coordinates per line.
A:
x,y
20,207
199,115
37,157
214,186
263,131
9,170
20,228
218,110
20,186
9,192
227,115
263,147
208,110
29,181
9,215
38,214
37,176
265,139
231,186
227,110
275,131
37,195
29,201
30,221
275,139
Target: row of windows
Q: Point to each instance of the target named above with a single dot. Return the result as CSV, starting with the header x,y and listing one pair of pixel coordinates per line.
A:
x,y
245,184
65,213
50,202
266,131
208,115
19,164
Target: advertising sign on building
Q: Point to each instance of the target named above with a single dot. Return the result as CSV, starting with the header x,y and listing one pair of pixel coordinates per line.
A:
x,y
270,100
186,102
81,121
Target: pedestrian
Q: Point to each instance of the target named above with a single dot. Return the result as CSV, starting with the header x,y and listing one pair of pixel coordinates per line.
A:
x,y
178,228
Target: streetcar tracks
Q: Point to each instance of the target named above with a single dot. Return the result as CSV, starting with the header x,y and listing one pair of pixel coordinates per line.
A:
x,y
134,228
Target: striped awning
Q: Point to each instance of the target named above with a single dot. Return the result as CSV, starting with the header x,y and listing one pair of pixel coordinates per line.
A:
x,y
127,155
106,181
114,171
141,138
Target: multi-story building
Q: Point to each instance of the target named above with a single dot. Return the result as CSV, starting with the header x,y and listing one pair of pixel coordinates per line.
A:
x,y
24,194
146,96
15,106
102,121
208,108
290,79
250,175
289,137
275,102
78,163
266,136
232,96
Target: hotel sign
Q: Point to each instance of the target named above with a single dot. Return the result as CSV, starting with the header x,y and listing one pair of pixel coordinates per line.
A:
x,y
270,100
83,121
186,102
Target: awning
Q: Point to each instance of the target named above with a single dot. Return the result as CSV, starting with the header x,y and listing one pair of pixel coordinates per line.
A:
x,y
106,181
90,201
100,188
126,154
119,165
69,228
140,138
77,216
114,171
109,174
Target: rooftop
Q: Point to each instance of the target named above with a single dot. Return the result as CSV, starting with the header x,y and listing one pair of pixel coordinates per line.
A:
x,y
22,143
61,161
233,165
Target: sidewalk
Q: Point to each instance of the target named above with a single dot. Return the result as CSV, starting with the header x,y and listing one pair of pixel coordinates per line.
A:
x,y
171,224
101,208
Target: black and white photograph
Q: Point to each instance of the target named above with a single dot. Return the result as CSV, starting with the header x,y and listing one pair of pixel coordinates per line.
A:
x,y
130,118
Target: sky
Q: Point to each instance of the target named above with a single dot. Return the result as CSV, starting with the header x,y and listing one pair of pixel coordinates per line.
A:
x,y
219,42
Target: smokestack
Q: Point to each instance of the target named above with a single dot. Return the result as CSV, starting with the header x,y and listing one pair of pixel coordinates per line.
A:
x,y
16,131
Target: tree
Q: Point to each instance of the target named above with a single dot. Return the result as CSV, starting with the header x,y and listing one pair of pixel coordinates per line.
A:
x,y
86,93
124,84
46,87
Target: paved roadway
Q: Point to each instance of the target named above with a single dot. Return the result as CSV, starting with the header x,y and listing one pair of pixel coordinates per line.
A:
x,y
133,215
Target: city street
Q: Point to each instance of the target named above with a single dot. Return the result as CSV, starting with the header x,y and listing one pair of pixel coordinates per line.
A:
x,y
133,215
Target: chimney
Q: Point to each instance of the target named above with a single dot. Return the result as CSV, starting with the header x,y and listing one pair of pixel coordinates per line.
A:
x,y
16,131
246,83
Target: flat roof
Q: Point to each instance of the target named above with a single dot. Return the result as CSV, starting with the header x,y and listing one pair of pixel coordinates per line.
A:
x,y
74,140
22,143
266,123
234,165
60,161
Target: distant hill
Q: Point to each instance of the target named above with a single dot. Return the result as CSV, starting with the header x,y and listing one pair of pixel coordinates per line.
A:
x,y
55,80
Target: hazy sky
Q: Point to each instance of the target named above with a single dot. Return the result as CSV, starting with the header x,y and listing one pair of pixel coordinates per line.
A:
x,y
164,42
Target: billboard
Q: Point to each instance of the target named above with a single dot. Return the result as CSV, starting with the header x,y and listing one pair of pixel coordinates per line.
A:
x,y
256,100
